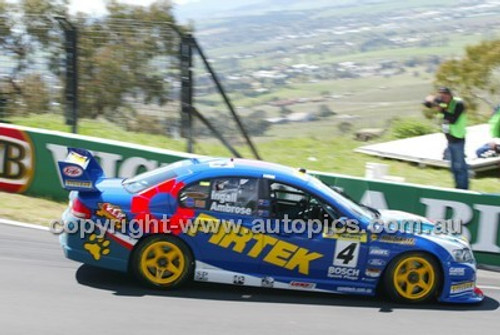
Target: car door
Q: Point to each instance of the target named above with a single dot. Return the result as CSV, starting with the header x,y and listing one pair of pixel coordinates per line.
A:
x,y
309,253
225,209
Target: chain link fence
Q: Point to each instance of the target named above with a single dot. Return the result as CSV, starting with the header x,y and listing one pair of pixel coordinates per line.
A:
x,y
114,77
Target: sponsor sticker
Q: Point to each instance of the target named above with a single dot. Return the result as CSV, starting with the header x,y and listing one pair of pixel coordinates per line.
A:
x,y
112,212
463,287
376,262
77,183
343,273
354,289
302,285
373,273
189,202
200,203
196,195
361,237
378,252
458,272
393,239
76,158
72,171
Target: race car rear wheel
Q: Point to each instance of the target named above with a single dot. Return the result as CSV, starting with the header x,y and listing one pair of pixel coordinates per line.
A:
x,y
163,261
413,277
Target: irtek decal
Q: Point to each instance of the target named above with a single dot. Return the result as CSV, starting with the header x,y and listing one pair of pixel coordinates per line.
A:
x,y
460,288
17,162
271,249
343,273
302,285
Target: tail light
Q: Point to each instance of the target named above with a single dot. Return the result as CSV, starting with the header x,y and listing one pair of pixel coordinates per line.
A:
x,y
79,210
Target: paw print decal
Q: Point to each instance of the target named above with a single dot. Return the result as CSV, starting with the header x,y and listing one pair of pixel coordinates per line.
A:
x,y
97,247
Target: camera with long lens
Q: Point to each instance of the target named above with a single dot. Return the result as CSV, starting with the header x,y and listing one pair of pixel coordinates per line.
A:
x,y
432,101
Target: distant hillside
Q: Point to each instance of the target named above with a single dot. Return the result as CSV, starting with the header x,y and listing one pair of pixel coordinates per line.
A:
x,y
222,8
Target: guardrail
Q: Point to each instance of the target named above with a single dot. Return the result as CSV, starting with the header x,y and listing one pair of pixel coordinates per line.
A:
x,y
28,164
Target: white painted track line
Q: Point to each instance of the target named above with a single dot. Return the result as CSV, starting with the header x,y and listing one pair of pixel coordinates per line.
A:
x,y
22,224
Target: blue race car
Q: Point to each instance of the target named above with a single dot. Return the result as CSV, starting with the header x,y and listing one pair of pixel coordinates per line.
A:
x,y
252,223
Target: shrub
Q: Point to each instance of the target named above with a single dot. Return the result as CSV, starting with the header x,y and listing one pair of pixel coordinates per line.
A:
x,y
404,128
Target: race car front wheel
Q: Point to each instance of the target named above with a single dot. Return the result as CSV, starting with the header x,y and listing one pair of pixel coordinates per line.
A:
x,y
162,261
413,278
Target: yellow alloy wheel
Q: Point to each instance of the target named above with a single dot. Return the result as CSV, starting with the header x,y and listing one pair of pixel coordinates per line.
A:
x,y
162,263
414,278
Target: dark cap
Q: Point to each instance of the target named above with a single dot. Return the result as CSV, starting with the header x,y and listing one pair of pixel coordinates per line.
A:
x,y
445,90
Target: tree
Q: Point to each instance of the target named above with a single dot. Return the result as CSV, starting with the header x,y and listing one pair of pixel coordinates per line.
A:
x,y
124,56
474,76
25,28
121,56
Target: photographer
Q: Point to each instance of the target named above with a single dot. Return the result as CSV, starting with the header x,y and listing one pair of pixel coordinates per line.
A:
x,y
452,110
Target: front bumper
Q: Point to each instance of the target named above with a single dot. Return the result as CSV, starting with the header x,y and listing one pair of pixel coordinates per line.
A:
x,y
460,284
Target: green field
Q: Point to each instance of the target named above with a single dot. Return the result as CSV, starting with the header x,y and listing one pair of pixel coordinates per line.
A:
x,y
22,208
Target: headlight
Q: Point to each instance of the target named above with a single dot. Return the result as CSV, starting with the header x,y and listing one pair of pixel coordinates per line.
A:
x,y
463,255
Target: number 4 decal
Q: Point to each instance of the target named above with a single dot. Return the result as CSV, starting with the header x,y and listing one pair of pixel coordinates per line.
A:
x,y
346,254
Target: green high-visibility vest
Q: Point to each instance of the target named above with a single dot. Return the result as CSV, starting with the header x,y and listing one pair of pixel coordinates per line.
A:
x,y
495,124
457,129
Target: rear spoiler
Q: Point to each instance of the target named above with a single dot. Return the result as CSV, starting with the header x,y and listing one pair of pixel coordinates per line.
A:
x,y
80,171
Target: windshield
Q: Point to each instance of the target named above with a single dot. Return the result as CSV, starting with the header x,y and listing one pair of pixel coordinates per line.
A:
x,y
341,200
147,179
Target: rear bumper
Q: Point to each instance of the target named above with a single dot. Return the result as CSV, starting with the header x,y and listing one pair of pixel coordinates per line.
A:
x,y
92,249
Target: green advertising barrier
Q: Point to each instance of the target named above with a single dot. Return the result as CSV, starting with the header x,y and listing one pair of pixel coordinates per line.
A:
x,y
28,164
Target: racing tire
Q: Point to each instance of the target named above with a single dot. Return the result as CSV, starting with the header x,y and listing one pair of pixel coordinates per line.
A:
x,y
413,278
162,262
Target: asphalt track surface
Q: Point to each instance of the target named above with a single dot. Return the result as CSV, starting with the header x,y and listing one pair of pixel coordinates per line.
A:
x,y
41,292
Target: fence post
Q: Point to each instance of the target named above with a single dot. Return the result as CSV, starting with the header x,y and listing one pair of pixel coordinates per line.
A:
x,y
186,62
226,99
71,84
